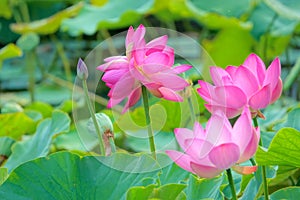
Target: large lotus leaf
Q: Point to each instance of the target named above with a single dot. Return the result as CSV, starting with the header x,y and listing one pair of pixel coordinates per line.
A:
x,y
173,174
48,25
285,193
39,144
9,51
65,175
114,14
201,188
216,14
286,8
284,149
166,192
15,125
3,175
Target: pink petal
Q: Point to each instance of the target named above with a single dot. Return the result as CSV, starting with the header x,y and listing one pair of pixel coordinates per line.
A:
x,y
112,102
219,76
206,91
113,76
182,134
198,149
157,44
120,63
229,112
123,87
169,94
230,96
257,66
158,58
170,52
205,171
154,68
251,147
111,58
218,129
171,81
181,68
182,160
231,70
261,98
132,99
273,74
245,80
242,130
198,131
225,155
276,93
244,170
129,36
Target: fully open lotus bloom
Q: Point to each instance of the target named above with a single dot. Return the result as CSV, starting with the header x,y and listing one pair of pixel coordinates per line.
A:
x,y
208,152
249,84
149,64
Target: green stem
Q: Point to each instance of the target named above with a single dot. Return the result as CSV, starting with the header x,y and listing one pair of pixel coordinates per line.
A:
x,y
264,171
30,65
148,122
92,113
231,183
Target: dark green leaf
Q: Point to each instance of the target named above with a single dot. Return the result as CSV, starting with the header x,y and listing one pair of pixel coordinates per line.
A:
x,y
67,176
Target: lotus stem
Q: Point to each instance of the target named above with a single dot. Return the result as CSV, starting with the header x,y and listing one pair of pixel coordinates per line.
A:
x,y
231,183
148,122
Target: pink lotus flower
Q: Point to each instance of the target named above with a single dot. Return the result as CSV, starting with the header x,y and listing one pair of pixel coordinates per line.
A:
x,y
149,64
249,84
208,152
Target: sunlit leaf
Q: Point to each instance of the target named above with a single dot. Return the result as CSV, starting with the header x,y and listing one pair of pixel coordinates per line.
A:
x,y
44,108
5,146
169,191
284,149
3,175
5,10
9,51
67,176
48,25
15,125
285,193
38,145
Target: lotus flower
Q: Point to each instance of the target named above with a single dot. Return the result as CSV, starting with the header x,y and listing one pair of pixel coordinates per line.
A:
x,y
208,152
148,64
249,84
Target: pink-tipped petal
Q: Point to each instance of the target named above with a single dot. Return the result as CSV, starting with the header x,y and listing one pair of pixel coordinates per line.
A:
x,y
119,91
158,58
198,149
242,130
205,171
244,170
112,102
273,74
261,98
230,96
133,98
206,91
246,80
225,155
276,93
171,81
251,147
257,66
182,134
229,112
169,94
219,76
129,36
113,76
181,68
157,44
198,131
182,160
218,129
